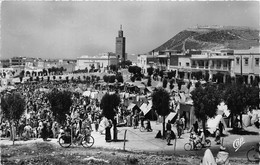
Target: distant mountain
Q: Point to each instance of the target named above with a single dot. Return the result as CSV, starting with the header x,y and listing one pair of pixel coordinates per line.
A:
x,y
214,37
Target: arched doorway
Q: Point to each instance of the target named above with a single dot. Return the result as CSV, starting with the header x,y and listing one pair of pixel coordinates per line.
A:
x,y
251,79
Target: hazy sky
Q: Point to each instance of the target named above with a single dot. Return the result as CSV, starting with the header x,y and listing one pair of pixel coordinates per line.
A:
x,y
72,29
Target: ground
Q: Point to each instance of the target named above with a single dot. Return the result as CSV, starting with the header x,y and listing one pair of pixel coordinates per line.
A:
x,y
50,153
140,148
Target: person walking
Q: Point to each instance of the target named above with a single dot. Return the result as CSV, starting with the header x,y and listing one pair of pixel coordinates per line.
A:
x,y
217,136
55,129
195,127
44,132
221,128
179,127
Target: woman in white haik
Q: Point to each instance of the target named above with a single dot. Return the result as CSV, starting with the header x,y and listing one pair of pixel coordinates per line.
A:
x,y
102,125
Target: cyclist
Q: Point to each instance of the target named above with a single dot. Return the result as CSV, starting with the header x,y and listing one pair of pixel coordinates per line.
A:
x,y
195,139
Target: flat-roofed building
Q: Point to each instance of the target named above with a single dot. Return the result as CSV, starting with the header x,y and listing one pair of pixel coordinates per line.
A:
x,y
100,62
246,63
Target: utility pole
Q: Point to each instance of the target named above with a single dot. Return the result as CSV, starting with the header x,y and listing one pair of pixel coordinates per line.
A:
x,y
241,68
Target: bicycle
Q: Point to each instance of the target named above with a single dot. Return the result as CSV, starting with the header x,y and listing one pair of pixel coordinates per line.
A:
x,y
192,145
253,154
86,141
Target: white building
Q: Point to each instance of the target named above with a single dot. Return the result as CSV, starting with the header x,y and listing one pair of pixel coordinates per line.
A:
x,y
250,67
99,62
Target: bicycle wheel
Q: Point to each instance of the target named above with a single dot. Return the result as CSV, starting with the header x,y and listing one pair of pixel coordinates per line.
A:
x,y
252,155
187,146
87,141
207,143
65,141
141,129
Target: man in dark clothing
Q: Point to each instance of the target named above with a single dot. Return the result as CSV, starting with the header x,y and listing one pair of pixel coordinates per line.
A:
x,y
195,127
221,128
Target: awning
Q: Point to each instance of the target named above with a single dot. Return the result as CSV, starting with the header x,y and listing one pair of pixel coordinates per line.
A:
x,y
223,109
170,116
86,93
131,106
145,108
213,123
78,90
161,56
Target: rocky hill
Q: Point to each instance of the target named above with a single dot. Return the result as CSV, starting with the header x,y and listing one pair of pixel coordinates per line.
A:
x,y
213,38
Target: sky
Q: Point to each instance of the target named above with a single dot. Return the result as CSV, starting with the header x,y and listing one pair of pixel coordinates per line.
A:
x,y
68,29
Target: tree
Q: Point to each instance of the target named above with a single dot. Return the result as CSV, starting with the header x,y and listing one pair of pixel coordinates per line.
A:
x,y
150,71
113,67
161,103
106,78
238,98
131,69
60,104
205,102
21,75
171,74
119,78
123,64
109,104
112,79
13,107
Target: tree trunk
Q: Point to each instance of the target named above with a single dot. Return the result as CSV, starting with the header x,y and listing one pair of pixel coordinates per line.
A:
x,y
204,126
163,126
12,131
241,121
232,120
114,130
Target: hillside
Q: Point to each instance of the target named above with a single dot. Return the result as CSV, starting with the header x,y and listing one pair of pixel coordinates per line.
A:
x,y
209,38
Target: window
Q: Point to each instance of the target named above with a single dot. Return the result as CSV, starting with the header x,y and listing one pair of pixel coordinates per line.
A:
x,y
225,64
246,61
187,64
257,62
237,61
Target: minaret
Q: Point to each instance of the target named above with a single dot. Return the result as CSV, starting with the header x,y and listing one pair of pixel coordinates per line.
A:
x,y
120,45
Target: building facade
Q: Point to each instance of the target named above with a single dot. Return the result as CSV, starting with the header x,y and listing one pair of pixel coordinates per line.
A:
x,y
97,62
246,63
216,65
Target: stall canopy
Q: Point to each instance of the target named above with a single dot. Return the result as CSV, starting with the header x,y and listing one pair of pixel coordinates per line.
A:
x,y
78,90
223,109
213,123
86,93
145,108
170,116
131,106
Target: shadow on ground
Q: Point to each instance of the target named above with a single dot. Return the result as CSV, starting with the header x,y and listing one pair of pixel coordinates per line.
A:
x,y
242,132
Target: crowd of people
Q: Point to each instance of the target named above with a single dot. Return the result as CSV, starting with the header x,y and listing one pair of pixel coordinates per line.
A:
x,y
38,120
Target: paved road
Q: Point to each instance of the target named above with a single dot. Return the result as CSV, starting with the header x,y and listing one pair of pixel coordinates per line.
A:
x,y
146,142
